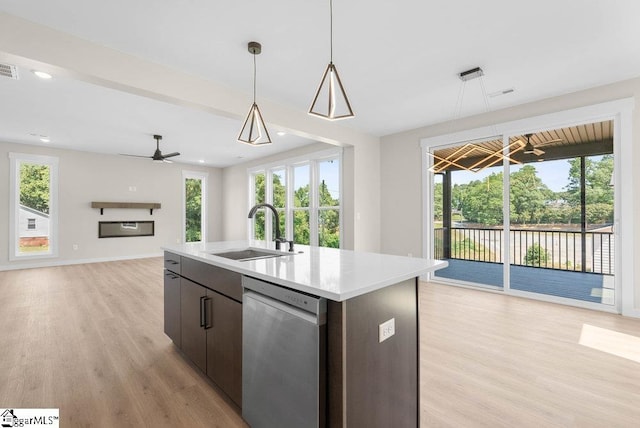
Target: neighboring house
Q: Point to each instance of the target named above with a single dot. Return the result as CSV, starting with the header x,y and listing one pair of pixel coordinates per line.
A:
x,y
33,227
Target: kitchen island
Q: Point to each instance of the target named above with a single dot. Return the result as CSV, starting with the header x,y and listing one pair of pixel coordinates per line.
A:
x,y
367,324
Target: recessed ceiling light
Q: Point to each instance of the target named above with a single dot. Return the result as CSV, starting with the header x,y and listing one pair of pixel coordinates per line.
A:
x,y
281,133
45,139
201,161
42,74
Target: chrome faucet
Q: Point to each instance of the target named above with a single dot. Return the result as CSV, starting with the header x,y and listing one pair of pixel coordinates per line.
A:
x,y
279,238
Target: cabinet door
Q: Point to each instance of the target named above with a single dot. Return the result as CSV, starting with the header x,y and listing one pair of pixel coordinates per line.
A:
x,y
172,306
224,346
192,308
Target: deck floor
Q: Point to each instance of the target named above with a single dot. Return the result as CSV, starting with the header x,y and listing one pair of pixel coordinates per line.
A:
x,y
588,287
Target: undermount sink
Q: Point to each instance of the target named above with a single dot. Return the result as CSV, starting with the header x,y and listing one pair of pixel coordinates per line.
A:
x,y
248,254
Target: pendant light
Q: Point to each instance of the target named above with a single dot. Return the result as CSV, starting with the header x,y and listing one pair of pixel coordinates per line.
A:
x,y
330,101
254,131
483,157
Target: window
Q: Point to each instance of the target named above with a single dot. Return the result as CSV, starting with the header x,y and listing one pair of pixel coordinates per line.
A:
x,y
258,197
34,206
279,196
194,206
301,224
306,194
329,203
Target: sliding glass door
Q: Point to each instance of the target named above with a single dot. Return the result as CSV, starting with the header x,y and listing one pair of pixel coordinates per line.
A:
x,y
468,213
545,208
561,222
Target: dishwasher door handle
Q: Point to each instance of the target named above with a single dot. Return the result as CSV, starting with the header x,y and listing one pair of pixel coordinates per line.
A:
x,y
291,310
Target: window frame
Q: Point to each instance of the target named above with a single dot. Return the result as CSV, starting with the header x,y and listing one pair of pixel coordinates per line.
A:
x,y
15,160
289,165
195,175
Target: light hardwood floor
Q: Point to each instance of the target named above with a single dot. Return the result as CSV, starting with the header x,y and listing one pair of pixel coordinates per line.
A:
x,y
490,360
89,340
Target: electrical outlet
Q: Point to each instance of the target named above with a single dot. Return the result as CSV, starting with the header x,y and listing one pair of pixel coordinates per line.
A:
x,y
133,188
386,330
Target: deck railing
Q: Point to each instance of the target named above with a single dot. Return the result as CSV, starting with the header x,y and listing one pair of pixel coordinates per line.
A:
x,y
549,249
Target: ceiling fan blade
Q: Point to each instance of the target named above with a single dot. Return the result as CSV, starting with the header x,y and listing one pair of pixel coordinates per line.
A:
x,y
170,155
538,152
135,156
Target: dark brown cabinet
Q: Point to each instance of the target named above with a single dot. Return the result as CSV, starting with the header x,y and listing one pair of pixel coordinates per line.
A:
x,y
172,324
203,317
172,328
224,346
193,309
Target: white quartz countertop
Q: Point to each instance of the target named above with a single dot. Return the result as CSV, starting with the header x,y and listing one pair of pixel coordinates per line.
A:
x,y
326,272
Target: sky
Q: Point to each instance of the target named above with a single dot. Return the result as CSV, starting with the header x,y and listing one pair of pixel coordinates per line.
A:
x,y
555,174
328,171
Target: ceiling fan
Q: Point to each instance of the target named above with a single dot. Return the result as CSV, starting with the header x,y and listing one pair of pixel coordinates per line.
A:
x,y
530,149
157,155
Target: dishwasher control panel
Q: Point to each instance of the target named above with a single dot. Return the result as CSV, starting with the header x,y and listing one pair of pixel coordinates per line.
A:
x,y
306,302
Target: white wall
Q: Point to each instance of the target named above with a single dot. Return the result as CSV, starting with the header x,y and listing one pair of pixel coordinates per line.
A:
x,y
400,165
86,177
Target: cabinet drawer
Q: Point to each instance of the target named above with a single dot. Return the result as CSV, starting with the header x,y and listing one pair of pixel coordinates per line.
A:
x,y
218,279
172,262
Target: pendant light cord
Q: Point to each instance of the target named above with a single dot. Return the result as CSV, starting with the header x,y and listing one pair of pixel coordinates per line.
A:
x,y
254,78
331,30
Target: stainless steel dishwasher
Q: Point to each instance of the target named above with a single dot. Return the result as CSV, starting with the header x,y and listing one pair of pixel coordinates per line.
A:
x,y
283,356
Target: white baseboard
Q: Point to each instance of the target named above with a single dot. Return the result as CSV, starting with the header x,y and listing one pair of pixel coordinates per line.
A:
x,y
51,263
633,313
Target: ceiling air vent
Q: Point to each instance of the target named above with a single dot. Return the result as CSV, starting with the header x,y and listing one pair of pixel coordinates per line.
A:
x,y
9,71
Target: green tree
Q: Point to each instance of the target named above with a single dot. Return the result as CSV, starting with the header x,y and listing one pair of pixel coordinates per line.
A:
x,y
279,199
301,230
598,189
34,186
193,214
328,220
437,202
482,200
529,196
536,256
259,198
279,191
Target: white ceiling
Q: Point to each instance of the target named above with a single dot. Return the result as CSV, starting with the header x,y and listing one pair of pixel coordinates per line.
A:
x,y
80,116
399,62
